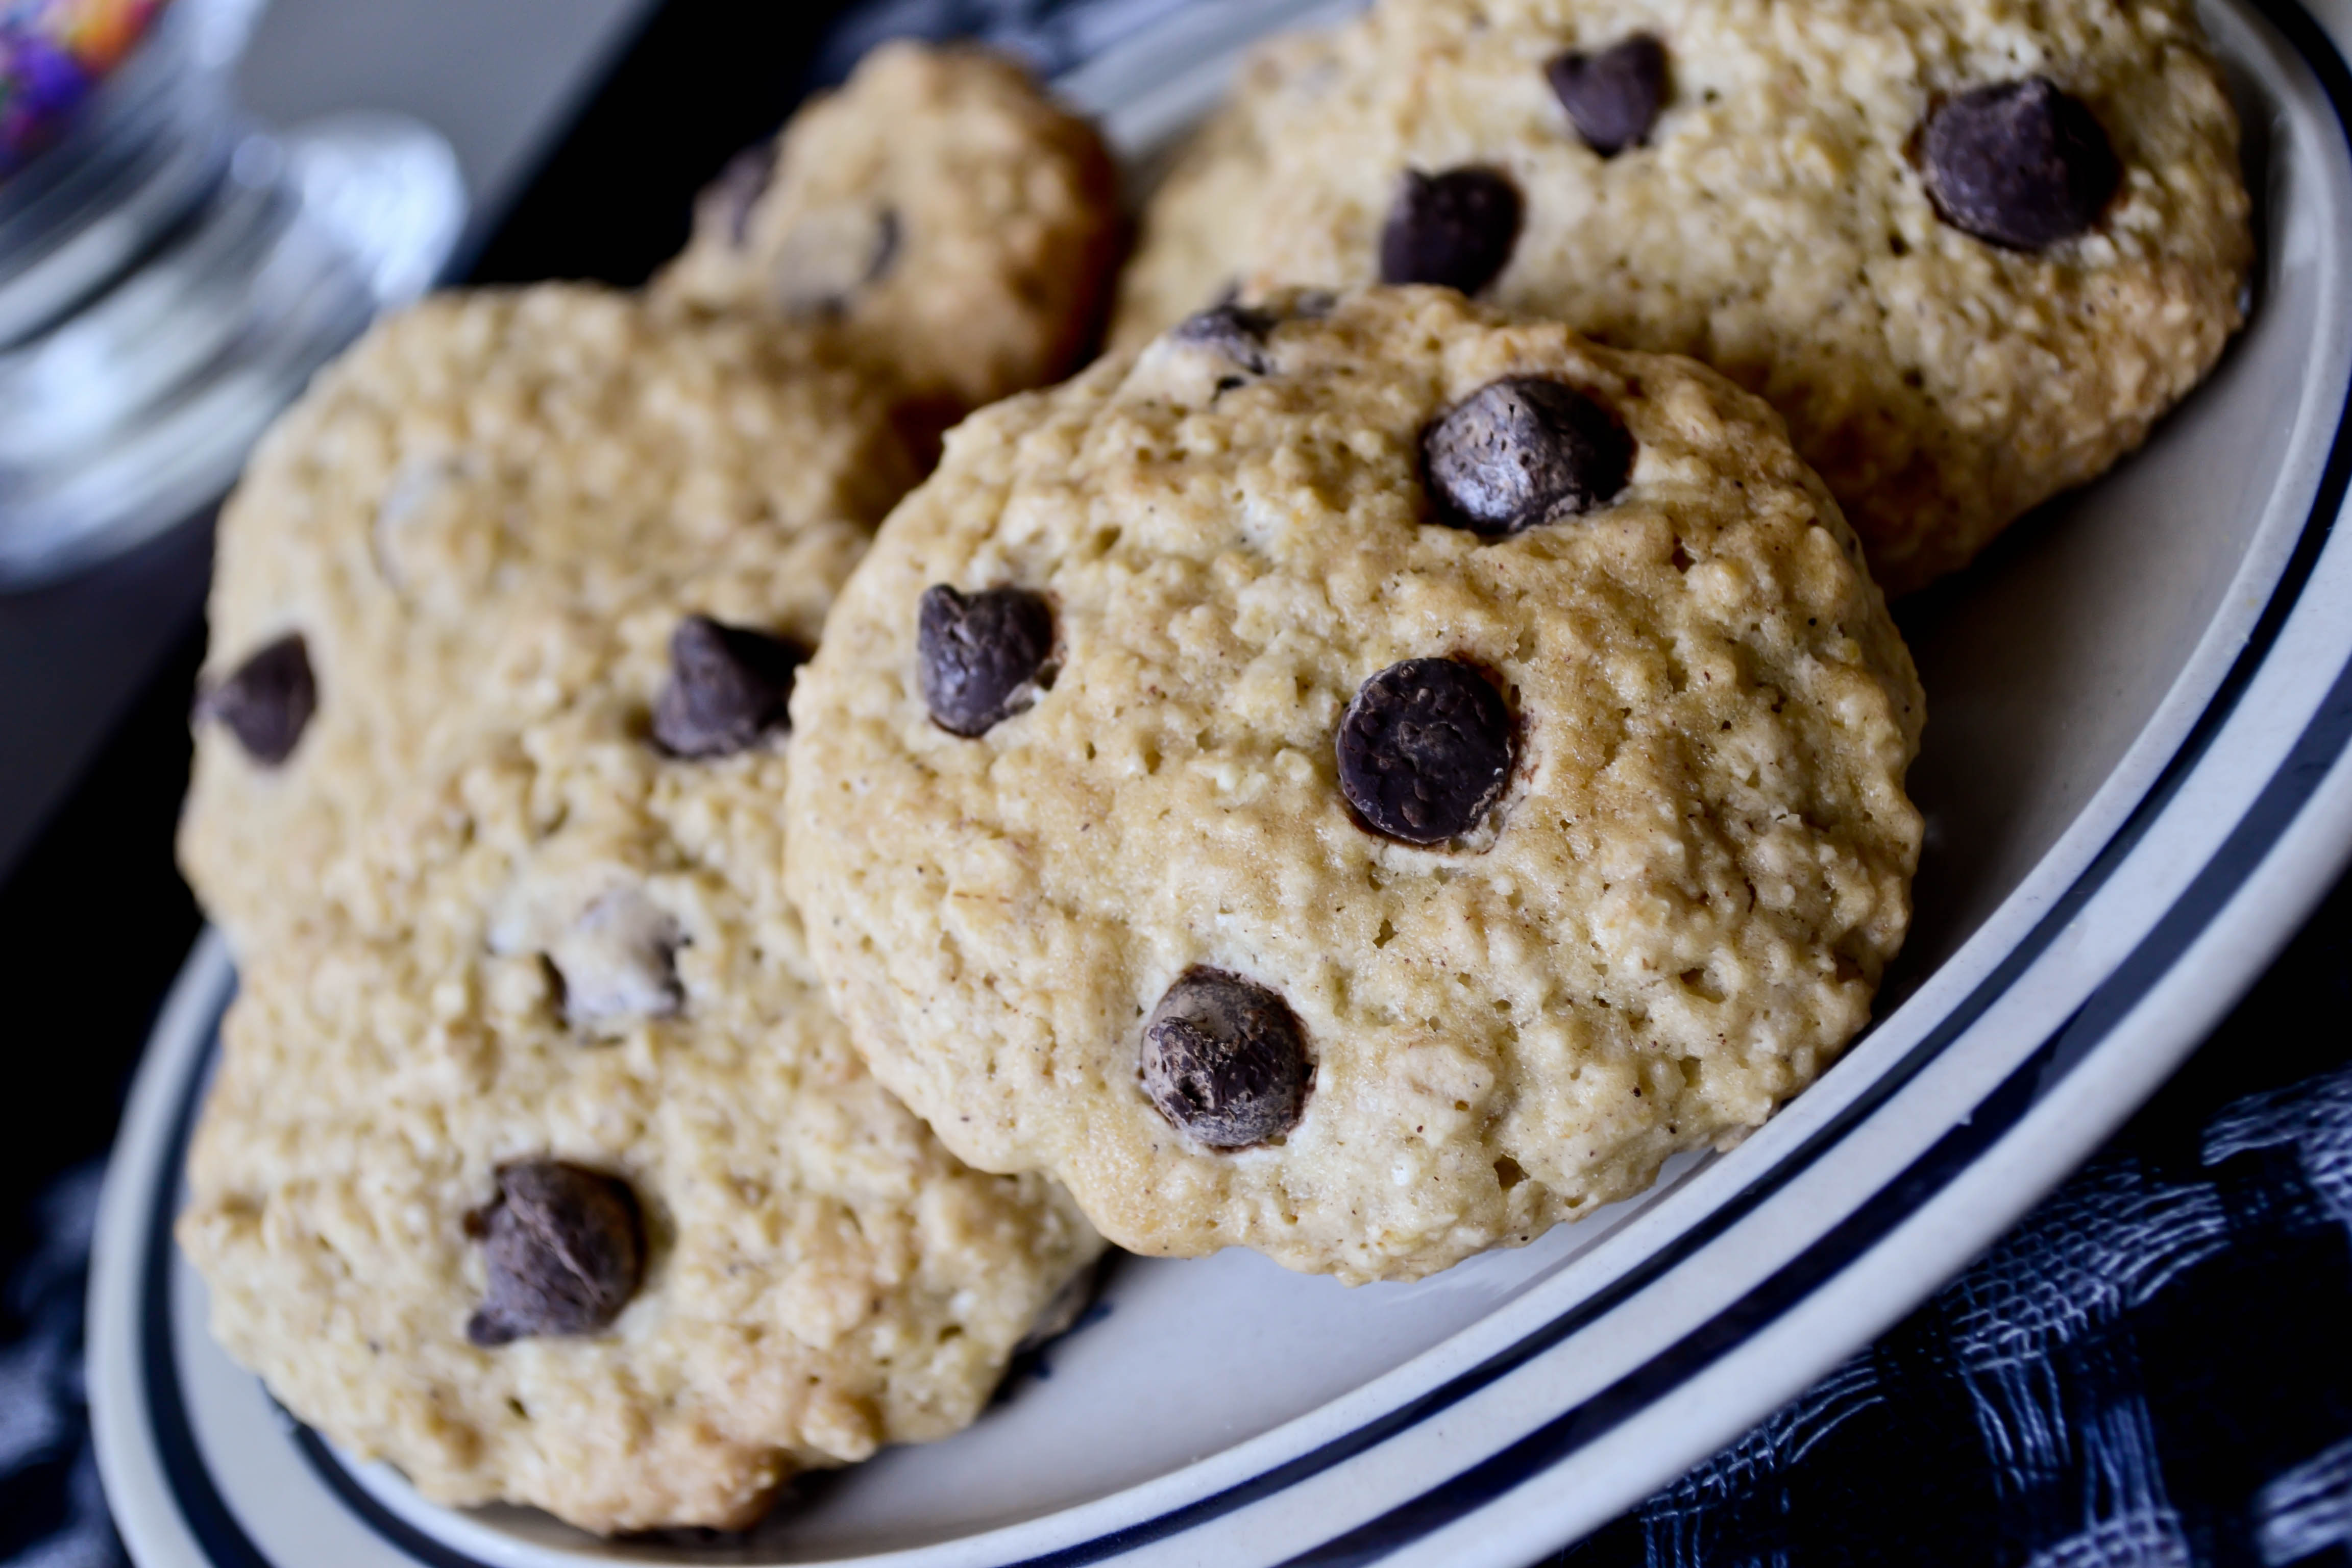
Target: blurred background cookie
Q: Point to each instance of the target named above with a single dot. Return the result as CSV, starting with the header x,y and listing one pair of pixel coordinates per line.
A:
x,y
957,225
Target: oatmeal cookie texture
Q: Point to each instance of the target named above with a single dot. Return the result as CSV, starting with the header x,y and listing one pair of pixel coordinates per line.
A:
x,y
536,1165
1364,875
1971,251
958,225
444,538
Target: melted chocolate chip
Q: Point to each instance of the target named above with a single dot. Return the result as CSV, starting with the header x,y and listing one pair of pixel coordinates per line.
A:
x,y
267,702
1224,1059
1456,228
1425,750
1238,333
565,1247
1612,96
738,189
727,689
2021,164
982,657
1523,451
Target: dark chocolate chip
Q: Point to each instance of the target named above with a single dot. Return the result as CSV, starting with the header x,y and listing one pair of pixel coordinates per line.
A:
x,y
1523,451
727,689
1425,749
982,659
1224,1059
738,189
565,1247
1456,228
1236,332
2021,164
1612,96
267,702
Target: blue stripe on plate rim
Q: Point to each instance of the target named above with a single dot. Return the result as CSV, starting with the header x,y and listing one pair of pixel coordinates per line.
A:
x,y
2322,742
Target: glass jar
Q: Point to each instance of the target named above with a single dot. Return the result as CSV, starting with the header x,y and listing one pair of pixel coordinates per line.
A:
x,y
171,276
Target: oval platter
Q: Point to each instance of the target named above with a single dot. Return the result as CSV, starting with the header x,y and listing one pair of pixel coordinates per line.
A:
x,y
2137,786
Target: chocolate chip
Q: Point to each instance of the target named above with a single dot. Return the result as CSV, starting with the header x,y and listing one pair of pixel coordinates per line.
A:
x,y
1456,228
1523,451
1236,332
618,961
1612,96
730,197
727,689
566,1250
982,659
2021,164
268,702
1425,750
1224,1059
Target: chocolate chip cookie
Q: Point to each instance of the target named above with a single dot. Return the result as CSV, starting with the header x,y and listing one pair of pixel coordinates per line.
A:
x,y
536,1163
1367,780
1970,252
958,225
437,542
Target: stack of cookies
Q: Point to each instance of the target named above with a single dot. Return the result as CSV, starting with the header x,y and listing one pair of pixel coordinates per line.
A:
x,y
536,1163
1363,772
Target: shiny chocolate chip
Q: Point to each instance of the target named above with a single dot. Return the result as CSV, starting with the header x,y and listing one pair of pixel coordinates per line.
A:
x,y
1612,95
1224,1060
1425,750
1523,451
727,689
1236,332
267,700
981,658
1456,228
565,1249
2023,165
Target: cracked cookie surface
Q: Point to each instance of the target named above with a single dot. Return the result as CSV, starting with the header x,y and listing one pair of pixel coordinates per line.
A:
x,y
1132,930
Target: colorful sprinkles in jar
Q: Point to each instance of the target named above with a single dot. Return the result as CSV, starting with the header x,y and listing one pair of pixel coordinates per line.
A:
x,y
53,54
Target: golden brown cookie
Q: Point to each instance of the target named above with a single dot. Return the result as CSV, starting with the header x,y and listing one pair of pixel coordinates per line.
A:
x,y
1364,781
1971,251
957,223
439,541
536,1165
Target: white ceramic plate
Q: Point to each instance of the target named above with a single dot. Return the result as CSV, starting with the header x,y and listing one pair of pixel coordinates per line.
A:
x,y
2135,777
